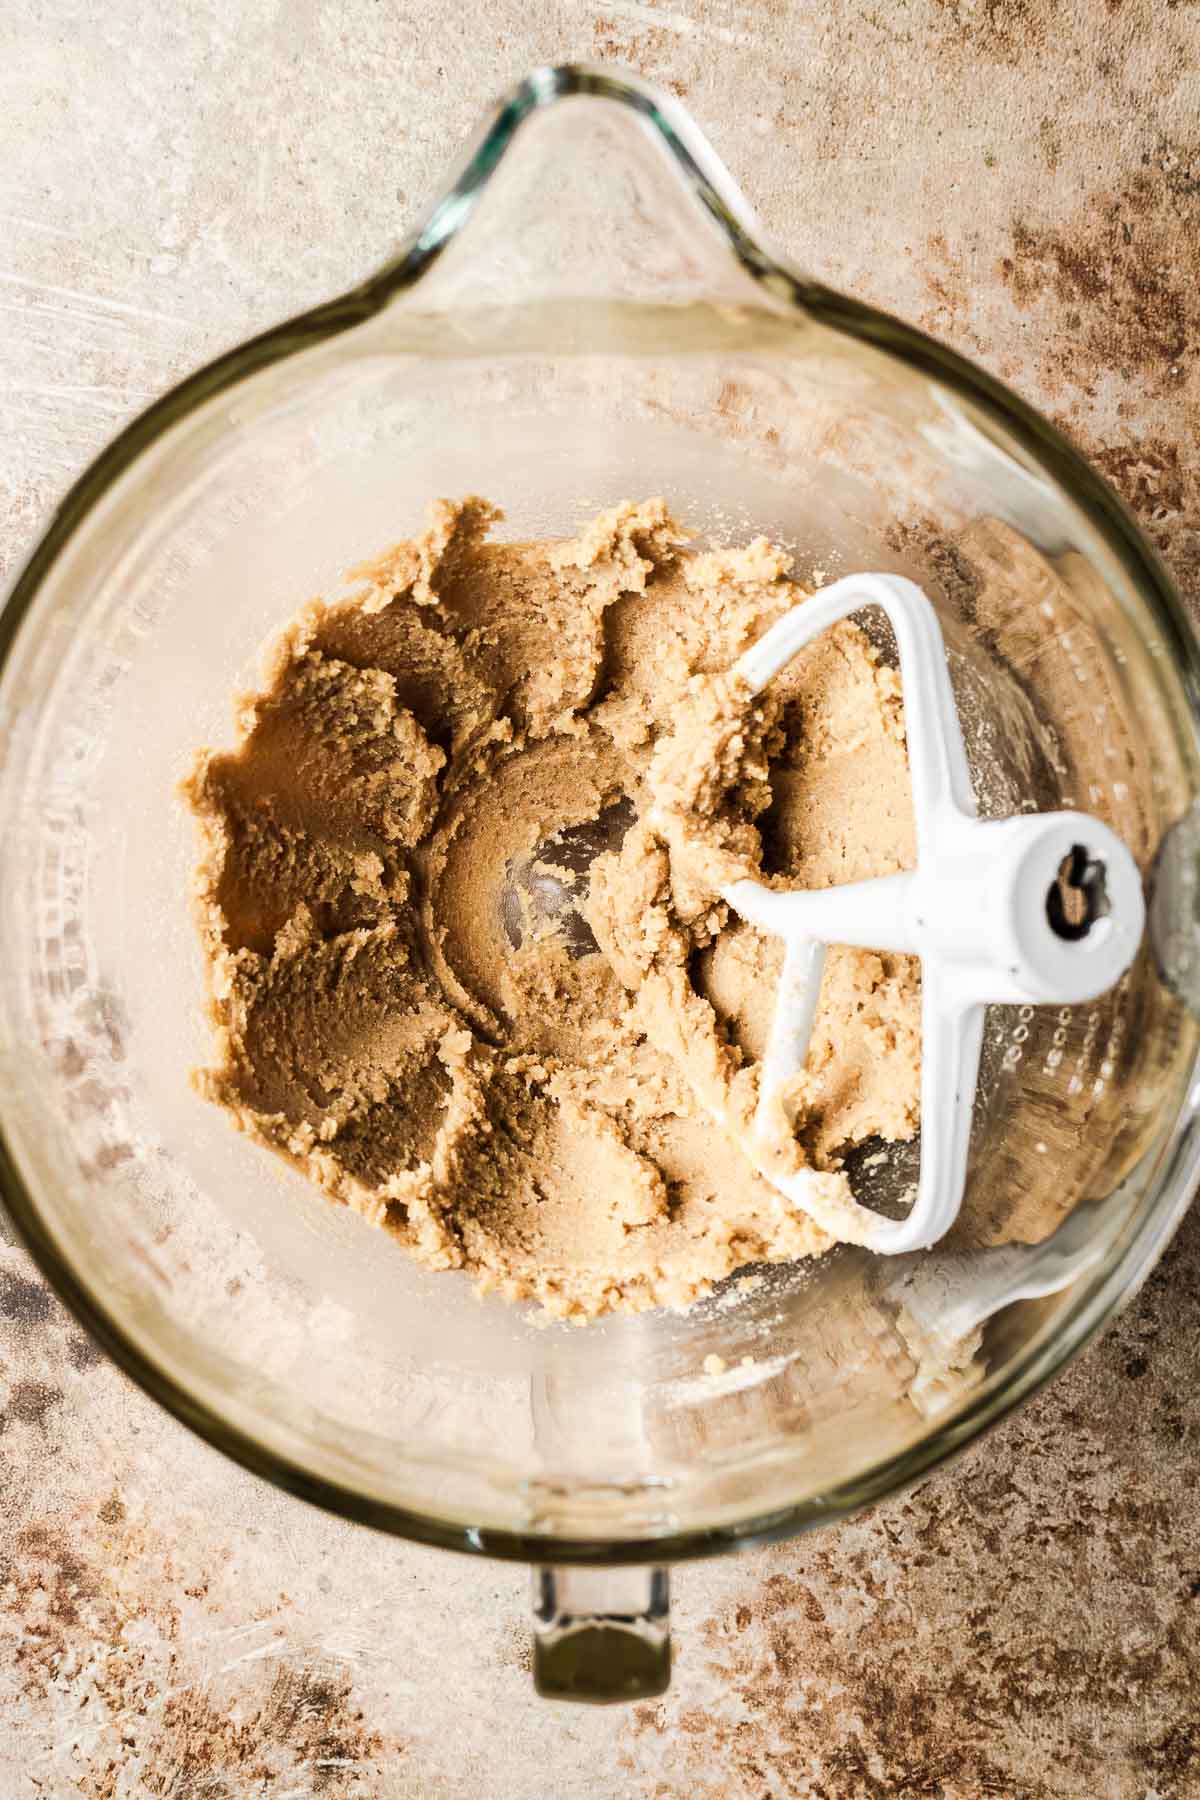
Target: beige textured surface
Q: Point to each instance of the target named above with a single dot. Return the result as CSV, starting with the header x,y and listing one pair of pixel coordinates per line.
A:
x,y
1023,177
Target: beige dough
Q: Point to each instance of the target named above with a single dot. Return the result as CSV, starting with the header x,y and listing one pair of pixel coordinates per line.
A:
x,y
500,1030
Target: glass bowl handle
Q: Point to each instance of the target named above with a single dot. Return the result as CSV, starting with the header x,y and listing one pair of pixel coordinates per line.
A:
x,y
601,1634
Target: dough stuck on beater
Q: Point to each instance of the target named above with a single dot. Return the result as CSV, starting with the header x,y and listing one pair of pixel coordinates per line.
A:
x,y
458,892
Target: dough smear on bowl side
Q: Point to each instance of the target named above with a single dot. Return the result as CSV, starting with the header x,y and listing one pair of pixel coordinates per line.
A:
x,y
458,894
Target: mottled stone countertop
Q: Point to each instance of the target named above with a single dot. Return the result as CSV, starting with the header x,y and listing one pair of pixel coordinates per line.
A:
x,y
1022,177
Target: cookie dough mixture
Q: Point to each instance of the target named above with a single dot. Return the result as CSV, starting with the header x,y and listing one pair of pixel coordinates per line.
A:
x,y
469,968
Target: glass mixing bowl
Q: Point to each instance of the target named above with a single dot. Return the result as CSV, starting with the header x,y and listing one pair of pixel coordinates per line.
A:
x,y
586,314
